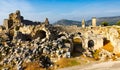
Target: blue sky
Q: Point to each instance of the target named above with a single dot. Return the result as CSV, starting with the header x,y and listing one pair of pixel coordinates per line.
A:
x,y
38,10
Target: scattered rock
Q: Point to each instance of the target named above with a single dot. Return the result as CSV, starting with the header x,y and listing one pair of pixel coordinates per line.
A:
x,y
21,41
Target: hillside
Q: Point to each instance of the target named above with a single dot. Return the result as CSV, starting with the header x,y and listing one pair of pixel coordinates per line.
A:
x,y
110,20
67,22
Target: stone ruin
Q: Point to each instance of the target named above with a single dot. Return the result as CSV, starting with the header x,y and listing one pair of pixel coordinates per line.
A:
x,y
14,19
23,41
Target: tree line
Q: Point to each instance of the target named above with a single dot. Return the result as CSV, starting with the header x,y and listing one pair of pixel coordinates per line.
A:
x,y
104,23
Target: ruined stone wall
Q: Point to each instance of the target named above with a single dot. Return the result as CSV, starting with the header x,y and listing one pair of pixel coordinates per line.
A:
x,y
13,20
34,31
113,36
27,43
15,17
70,29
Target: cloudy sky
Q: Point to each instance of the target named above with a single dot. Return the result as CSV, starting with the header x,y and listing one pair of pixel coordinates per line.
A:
x,y
38,10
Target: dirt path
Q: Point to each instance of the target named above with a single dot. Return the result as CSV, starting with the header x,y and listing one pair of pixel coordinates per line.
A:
x,y
110,65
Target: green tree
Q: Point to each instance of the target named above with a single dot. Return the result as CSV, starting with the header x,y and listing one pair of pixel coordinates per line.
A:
x,y
118,23
104,23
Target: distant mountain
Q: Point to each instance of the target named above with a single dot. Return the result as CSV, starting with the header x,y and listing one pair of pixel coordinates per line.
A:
x,y
67,22
110,20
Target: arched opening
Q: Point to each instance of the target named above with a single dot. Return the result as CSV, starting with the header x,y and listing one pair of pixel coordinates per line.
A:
x,y
107,45
105,41
61,35
79,33
24,37
77,47
90,44
41,34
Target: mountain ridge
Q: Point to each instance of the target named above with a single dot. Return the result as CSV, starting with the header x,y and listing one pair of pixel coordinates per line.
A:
x,y
111,20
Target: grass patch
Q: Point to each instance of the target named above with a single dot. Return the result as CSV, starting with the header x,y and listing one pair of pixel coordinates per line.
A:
x,y
65,62
96,54
32,66
118,55
77,40
108,47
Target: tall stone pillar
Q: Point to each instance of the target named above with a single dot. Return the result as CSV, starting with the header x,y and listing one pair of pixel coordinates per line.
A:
x,y
94,21
46,21
83,23
6,23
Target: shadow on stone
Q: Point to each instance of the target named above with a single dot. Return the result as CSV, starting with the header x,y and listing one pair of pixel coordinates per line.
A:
x,y
105,41
24,37
77,48
41,34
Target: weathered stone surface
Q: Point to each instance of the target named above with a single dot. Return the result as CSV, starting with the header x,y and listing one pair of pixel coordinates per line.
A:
x,y
13,20
103,55
46,21
23,42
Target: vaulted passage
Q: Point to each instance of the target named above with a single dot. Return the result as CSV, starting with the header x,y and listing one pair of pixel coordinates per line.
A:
x,y
41,34
90,43
77,47
105,41
24,37
77,42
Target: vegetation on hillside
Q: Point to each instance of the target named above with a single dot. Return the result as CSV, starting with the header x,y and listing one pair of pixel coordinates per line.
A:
x,y
105,23
118,23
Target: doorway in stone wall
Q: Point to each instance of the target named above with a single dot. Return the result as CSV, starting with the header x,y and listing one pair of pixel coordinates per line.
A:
x,y
77,47
105,41
107,45
90,44
41,34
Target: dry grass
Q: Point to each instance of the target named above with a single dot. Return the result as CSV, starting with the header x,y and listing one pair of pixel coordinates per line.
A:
x,y
32,66
96,54
68,62
35,66
77,40
108,47
118,55
65,62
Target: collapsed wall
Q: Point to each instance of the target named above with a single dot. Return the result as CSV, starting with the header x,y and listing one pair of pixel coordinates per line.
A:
x,y
34,32
28,41
17,28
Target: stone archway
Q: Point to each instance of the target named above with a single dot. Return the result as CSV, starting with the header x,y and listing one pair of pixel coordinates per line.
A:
x,y
105,41
90,44
40,33
23,37
78,44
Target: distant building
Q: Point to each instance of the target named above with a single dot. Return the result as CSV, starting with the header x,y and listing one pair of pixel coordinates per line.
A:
x,y
83,23
94,21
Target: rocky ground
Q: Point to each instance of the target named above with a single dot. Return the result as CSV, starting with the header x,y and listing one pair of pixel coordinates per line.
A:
x,y
28,45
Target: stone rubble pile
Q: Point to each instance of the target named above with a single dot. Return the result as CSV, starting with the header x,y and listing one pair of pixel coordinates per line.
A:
x,y
29,51
104,55
24,41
